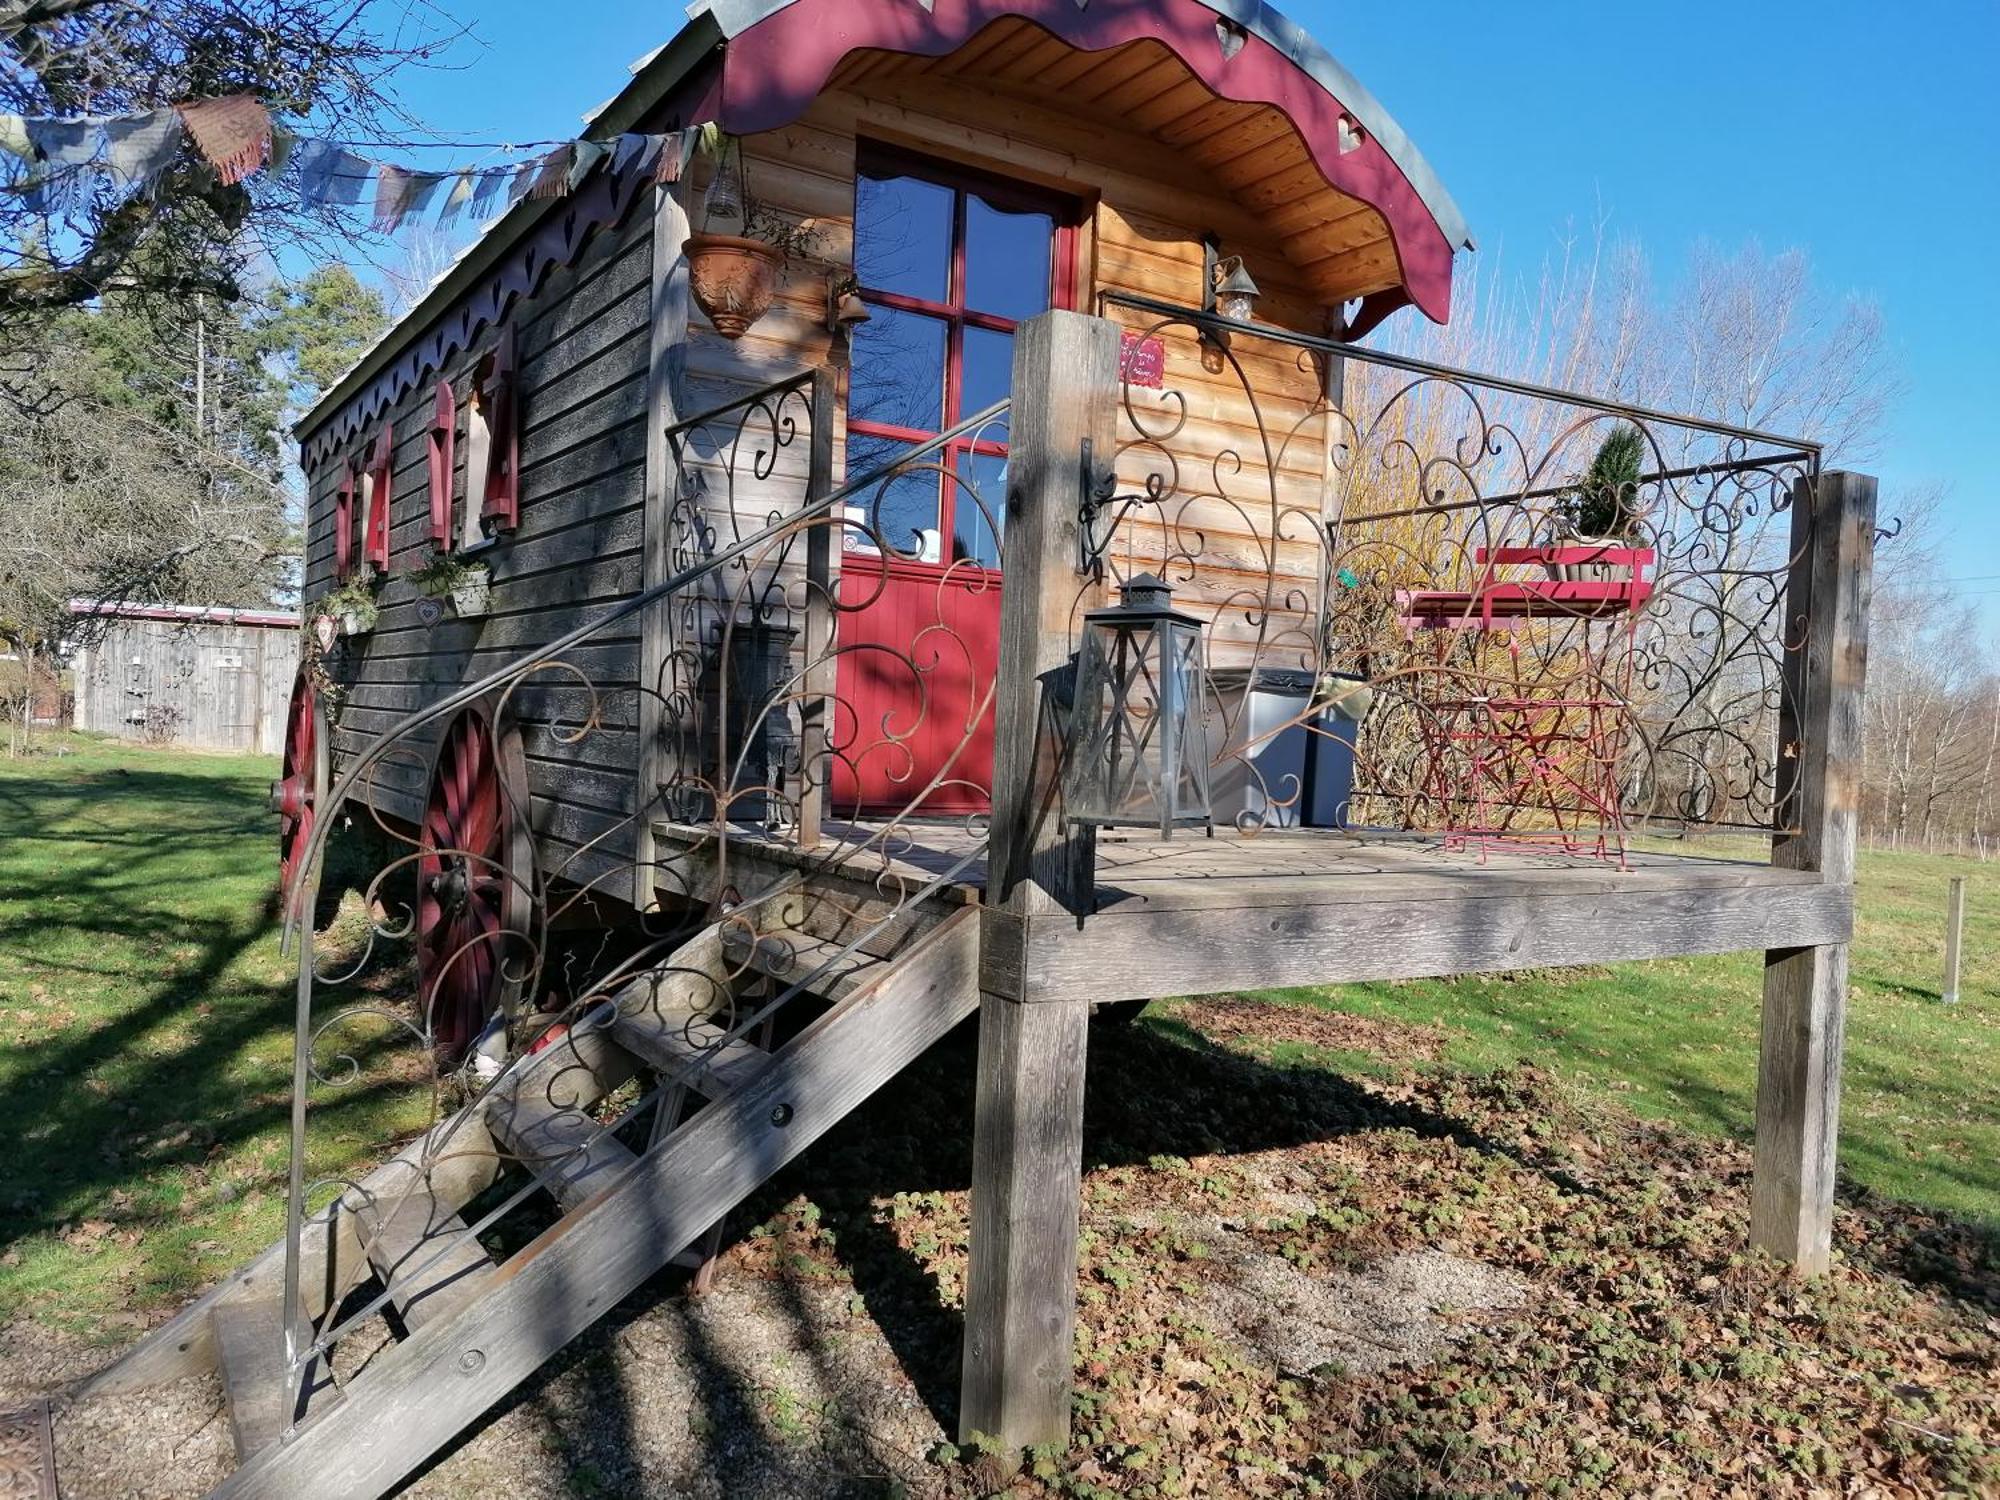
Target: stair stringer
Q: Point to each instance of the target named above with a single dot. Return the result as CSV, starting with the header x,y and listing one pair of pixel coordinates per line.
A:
x,y
455,1160
415,1397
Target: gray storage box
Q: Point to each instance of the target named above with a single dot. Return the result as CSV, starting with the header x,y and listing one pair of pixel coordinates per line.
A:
x,y
1287,779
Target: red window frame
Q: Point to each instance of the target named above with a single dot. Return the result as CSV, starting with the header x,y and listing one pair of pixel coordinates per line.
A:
x,y
1065,211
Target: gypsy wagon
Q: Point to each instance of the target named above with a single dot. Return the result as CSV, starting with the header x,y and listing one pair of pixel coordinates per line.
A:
x,y
929,537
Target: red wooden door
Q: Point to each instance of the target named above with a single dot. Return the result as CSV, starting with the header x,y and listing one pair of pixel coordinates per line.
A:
x,y
950,261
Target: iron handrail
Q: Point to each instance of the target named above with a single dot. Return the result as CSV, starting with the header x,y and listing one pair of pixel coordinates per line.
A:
x,y
297,918
1409,364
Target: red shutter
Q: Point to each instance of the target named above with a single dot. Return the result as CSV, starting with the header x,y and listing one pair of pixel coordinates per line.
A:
x,y
343,522
377,552
503,460
444,432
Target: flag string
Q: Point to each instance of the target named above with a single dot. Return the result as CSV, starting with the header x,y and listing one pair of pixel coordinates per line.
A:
x,y
237,138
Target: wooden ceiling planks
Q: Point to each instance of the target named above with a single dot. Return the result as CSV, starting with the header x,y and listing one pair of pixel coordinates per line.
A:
x,y
1336,246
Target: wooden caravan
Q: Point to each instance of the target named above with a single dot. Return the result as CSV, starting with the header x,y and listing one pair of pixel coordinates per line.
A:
x,y
727,554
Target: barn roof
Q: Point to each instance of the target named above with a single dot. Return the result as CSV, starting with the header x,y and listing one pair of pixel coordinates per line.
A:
x,y
184,614
757,64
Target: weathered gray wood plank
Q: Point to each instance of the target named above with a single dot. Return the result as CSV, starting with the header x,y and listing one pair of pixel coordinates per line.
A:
x,y
1020,1299
1805,977
417,1395
464,1162
427,1256
666,360
250,1349
1201,950
1027,1162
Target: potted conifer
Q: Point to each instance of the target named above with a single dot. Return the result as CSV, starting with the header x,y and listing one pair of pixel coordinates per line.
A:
x,y
1602,508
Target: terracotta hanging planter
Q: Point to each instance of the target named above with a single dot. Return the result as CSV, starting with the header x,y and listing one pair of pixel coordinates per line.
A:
x,y
734,280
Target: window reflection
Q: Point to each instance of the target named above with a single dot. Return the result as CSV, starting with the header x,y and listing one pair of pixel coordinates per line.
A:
x,y
1006,260
979,508
899,368
989,373
898,512
903,236
948,267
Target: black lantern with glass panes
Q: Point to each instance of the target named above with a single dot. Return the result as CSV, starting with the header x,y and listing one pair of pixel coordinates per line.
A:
x,y
1138,749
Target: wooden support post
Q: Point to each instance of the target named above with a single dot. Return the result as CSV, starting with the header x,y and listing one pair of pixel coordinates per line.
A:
x,y
666,359
1954,938
1819,743
1027,1155
816,704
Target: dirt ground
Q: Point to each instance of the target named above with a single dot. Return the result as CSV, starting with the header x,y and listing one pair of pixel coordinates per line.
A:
x,y
1290,1282
771,1385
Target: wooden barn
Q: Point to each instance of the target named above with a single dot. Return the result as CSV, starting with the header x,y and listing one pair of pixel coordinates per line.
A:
x,y
180,674
922,522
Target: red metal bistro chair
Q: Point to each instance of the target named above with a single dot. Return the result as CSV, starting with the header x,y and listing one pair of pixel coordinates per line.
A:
x,y
1523,735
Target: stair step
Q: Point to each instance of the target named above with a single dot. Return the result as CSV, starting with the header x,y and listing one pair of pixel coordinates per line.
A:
x,y
797,957
842,911
563,1146
426,1255
415,1396
250,1351
693,1050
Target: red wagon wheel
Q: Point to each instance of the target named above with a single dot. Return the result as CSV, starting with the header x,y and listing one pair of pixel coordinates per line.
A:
x,y
475,871
297,794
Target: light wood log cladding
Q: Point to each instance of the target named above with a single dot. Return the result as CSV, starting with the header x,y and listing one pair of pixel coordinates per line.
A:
x,y
582,345
1149,206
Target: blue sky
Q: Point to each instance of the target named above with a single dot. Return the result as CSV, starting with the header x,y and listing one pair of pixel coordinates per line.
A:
x,y
1866,135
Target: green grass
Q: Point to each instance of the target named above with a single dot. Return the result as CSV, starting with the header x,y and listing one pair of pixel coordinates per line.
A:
x,y
1676,1039
145,1030
145,1035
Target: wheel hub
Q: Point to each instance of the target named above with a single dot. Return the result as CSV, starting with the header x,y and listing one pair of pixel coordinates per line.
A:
x,y
452,886
291,796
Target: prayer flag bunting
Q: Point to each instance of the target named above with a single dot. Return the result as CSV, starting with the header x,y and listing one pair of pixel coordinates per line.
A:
x,y
232,132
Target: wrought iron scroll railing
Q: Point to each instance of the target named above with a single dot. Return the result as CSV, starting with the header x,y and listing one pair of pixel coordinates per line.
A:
x,y
1331,509
747,741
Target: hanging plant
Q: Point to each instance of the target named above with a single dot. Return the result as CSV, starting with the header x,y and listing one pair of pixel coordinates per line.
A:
x,y
468,585
354,605
734,277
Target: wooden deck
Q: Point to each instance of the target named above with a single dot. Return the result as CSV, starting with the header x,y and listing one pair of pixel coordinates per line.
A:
x,y
1293,907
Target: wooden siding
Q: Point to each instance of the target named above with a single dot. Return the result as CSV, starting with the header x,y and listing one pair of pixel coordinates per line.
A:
x,y
1148,212
205,685
585,403
582,350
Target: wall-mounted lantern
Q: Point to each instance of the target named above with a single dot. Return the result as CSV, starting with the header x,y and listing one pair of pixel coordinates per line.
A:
x,y
845,311
1227,291
1138,746
1235,294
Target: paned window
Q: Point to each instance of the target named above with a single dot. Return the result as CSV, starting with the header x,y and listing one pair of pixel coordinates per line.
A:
x,y
950,262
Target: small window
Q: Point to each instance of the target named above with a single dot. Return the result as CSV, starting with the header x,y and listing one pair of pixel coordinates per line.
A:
x,y
951,261
376,491
443,437
343,521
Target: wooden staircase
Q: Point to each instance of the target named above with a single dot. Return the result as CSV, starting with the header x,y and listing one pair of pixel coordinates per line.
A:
x,y
731,1113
